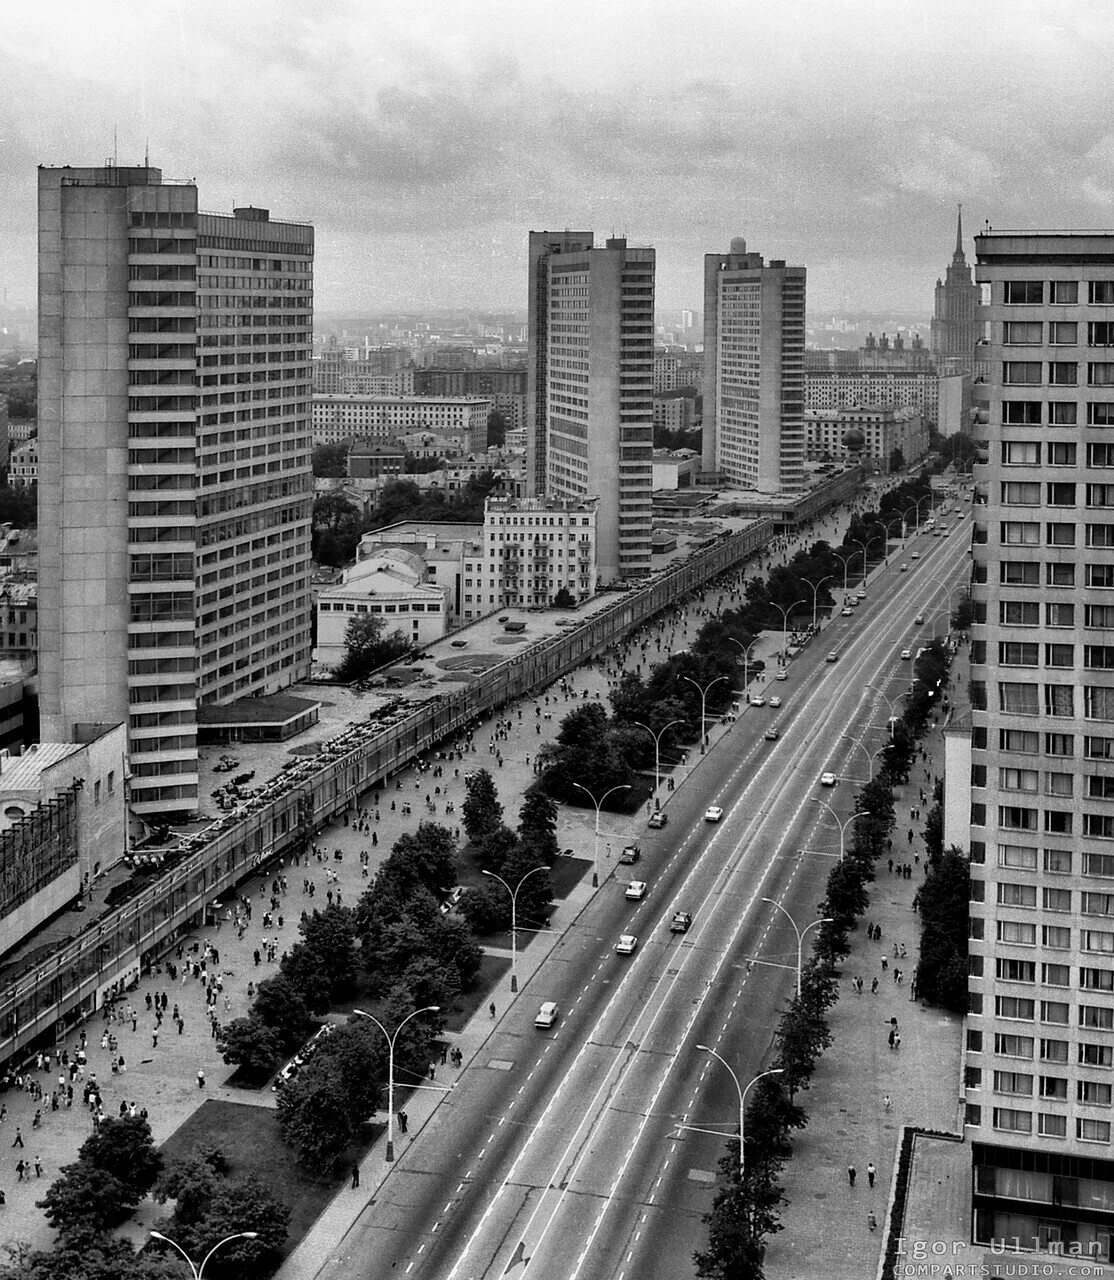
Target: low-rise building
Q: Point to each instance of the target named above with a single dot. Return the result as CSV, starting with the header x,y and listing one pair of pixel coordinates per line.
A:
x,y
443,547
338,417
369,459
675,468
23,464
427,444
882,428
676,412
19,622
533,548
390,585
19,552
63,821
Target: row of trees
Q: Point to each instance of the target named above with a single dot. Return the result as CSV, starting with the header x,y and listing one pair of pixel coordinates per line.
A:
x,y
117,1167
744,1212
944,905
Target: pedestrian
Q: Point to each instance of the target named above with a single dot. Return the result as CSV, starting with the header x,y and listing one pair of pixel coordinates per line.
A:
x,y
403,1120
851,1175
871,1221
887,1102
18,1142
444,1054
201,1077
491,1010
154,1039
897,1040
432,1071
870,1172
355,1176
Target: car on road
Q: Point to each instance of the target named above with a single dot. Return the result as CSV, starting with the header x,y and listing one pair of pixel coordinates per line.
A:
x,y
636,890
846,611
919,619
906,654
827,779
775,702
757,700
833,656
657,819
782,675
631,853
771,733
627,944
547,1015
680,922
860,595
915,556
904,568
713,813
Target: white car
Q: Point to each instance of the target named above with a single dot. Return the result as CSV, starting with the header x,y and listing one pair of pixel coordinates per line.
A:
x,y
906,654
915,556
846,611
919,619
713,813
547,1015
757,700
775,702
636,890
827,779
904,568
782,675
626,944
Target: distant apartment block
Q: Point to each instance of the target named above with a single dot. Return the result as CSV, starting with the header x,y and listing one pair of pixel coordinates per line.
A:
x,y
754,344
590,371
19,622
532,549
674,412
337,418
505,388
844,388
444,548
368,460
23,464
347,371
174,477
883,430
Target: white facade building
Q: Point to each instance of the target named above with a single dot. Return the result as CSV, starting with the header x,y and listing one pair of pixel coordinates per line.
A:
x,y
884,429
369,417
23,464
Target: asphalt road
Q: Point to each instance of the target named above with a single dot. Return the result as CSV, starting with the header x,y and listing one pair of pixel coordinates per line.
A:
x,y
563,1158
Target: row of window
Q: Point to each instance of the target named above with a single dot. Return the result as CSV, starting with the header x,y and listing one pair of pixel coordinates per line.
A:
x,y
1061,333
1061,413
1028,742
1010,969
339,607
1056,1012
1009,1120
1017,894
1059,700
1060,373
1031,293
1026,573
1011,778
1026,653
1023,933
1096,1093
1027,493
1027,453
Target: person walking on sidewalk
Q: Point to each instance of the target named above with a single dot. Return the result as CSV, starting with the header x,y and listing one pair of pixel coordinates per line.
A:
x,y
851,1176
491,1010
403,1120
870,1172
355,1176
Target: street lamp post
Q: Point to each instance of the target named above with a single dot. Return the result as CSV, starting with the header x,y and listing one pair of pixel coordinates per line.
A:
x,y
846,562
623,786
657,753
785,612
866,567
703,705
861,813
430,1008
199,1272
746,661
800,935
776,1071
862,747
816,595
514,920
889,703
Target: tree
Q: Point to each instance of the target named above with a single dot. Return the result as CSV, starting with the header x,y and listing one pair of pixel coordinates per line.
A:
x,y
483,813
280,1007
242,1204
330,934
944,904
251,1045
84,1198
537,824
331,509
428,857
743,1213
564,599
330,461
305,970
897,461
191,1183
91,1257
315,1115
963,615
366,648
123,1148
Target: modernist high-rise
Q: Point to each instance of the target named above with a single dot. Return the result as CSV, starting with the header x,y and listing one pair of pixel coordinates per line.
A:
x,y
1040,1028
956,326
754,375
174,477
590,385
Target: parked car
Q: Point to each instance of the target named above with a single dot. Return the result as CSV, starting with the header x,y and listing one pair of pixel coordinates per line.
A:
x,y
657,819
630,854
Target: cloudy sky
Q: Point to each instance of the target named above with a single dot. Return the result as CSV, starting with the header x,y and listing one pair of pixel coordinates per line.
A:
x,y
424,138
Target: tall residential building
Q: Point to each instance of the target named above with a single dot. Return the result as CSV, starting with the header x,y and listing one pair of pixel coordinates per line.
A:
x,y
590,380
956,326
754,381
174,477
1040,1028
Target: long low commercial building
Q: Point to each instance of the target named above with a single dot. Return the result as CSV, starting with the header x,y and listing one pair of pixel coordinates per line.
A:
x,y
383,418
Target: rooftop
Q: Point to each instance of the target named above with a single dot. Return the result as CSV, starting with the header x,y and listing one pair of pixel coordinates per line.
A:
x,y
278,707
22,773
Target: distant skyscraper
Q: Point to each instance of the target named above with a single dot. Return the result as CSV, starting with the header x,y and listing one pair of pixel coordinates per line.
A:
x,y
590,381
174,477
754,346
955,324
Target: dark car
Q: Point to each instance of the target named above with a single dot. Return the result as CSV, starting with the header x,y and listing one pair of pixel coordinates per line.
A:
x,y
630,854
680,922
658,819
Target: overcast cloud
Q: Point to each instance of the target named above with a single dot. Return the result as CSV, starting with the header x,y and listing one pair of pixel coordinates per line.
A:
x,y
425,139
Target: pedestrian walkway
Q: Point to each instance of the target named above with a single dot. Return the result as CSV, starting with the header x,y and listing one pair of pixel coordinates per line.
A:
x,y
865,1090
162,1058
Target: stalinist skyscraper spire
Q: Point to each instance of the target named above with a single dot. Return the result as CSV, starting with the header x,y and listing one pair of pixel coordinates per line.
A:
x,y
955,324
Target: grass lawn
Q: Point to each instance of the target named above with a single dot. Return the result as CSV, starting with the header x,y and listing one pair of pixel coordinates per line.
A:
x,y
250,1138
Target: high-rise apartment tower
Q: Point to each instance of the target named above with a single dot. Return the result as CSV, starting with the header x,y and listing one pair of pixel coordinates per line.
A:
x,y
754,374
174,477
1040,1028
590,387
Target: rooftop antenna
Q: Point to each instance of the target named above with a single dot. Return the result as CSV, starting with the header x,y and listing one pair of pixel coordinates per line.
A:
x,y
115,151
147,153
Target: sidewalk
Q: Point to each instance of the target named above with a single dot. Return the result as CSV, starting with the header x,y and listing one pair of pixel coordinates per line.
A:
x,y
826,1233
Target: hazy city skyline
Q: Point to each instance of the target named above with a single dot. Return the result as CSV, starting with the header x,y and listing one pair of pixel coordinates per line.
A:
x,y
424,146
